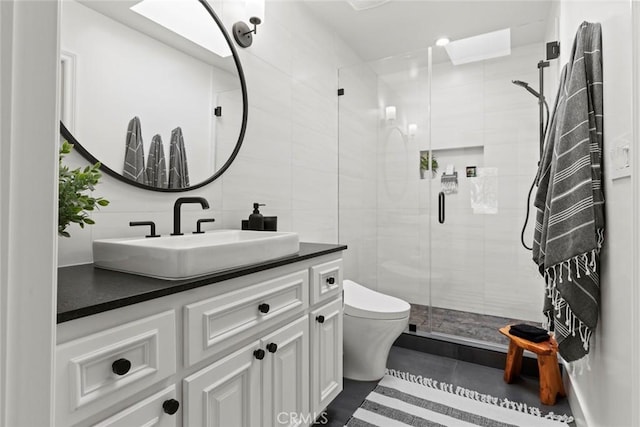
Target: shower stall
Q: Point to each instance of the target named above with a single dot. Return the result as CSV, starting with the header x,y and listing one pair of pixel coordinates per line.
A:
x,y
435,163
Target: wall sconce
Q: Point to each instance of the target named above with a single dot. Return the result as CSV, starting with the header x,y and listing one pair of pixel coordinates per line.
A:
x,y
413,128
390,113
241,32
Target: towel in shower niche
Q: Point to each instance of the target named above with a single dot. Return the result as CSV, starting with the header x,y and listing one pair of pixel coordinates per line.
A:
x,y
529,332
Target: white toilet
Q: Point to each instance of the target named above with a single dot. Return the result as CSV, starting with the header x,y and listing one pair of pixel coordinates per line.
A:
x,y
372,322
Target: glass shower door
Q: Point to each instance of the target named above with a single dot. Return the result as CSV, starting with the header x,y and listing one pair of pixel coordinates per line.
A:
x,y
383,214
484,137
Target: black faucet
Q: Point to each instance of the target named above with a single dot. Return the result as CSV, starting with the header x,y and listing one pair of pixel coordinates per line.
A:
x,y
176,210
149,223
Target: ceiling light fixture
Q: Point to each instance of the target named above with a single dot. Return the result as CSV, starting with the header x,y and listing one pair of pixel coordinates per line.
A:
x,y
442,41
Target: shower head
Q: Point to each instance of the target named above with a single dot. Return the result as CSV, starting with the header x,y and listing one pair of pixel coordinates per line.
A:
x,y
526,86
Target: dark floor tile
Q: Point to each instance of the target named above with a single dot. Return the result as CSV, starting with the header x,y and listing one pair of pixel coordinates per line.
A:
x,y
480,378
352,395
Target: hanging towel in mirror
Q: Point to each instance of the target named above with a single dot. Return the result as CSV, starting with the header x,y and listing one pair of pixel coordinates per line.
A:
x,y
134,153
156,166
570,222
178,171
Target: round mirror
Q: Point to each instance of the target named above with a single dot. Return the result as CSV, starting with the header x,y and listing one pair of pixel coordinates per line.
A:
x,y
152,89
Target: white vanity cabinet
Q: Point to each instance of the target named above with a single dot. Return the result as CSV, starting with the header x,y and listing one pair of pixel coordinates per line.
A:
x,y
257,350
225,393
326,354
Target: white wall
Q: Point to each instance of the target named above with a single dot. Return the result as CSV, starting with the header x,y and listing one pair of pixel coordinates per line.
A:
x,y
358,171
592,394
289,159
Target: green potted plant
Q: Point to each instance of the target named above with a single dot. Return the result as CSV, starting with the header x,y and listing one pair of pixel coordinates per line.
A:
x,y
424,164
74,204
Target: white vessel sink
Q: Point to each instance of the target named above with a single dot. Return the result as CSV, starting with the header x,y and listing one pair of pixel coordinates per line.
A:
x,y
181,257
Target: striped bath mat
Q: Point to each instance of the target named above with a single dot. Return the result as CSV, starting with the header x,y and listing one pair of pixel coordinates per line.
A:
x,y
402,399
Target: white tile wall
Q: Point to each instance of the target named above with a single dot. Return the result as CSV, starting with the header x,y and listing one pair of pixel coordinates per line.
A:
x,y
289,159
358,172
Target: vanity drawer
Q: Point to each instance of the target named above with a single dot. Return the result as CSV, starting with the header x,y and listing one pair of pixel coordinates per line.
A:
x,y
101,369
326,281
234,316
148,412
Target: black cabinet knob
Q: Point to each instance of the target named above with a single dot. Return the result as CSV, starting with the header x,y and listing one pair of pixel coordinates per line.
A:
x,y
170,406
259,354
264,308
121,366
272,347
320,319
331,280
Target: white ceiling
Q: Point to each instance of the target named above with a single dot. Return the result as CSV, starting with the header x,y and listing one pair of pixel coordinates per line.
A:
x,y
408,25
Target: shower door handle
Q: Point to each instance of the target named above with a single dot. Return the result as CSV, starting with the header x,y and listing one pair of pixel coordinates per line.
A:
x,y
441,207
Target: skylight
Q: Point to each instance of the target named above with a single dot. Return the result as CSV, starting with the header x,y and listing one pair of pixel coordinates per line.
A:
x,y
366,4
481,47
188,20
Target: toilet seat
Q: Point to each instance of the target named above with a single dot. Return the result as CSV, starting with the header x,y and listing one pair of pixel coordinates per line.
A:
x,y
363,302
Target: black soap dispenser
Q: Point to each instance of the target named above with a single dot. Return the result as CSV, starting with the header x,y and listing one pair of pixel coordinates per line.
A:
x,y
256,220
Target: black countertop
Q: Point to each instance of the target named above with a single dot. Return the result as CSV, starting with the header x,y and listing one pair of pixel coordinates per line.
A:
x,y
84,290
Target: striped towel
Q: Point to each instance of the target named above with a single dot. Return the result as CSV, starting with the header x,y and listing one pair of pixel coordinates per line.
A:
x,y
570,200
178,171
156,166
134,154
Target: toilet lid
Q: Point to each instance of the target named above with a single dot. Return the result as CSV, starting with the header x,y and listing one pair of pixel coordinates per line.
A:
x,y
360,301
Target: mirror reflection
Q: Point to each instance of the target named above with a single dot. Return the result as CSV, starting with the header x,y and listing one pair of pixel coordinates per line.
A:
x,y
150,89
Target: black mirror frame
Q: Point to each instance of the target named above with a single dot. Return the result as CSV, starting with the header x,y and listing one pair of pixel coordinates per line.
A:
x,y
245,110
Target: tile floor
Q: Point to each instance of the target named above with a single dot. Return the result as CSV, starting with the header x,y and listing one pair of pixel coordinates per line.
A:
x,y
469,375
465,324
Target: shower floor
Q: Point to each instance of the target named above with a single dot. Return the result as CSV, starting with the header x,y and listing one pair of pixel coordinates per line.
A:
x,y
481,327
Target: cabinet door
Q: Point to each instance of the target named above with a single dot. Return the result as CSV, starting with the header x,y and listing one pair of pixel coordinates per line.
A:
x,y
285,385
158,410
99,370
326,354
216,323
225,393
326,281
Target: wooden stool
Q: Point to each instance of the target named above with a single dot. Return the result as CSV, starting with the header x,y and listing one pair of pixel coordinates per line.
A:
x,y
550,379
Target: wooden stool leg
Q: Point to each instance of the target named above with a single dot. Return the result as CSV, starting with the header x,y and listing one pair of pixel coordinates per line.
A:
x,y
514,362
550,379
